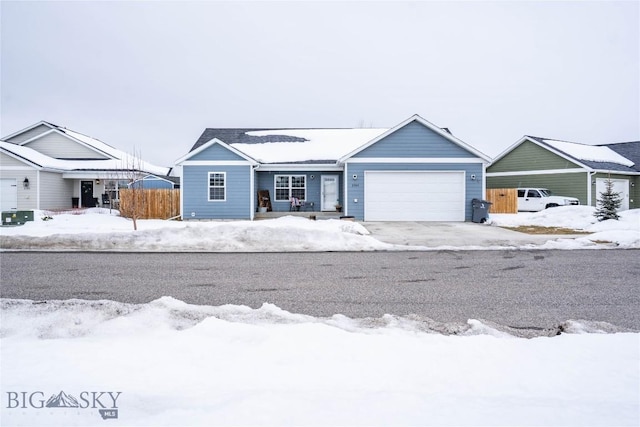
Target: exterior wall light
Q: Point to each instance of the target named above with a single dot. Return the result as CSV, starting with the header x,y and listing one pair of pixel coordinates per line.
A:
x,y
25,184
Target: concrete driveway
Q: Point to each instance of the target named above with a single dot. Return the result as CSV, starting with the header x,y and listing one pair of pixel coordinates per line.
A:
x,y
457,234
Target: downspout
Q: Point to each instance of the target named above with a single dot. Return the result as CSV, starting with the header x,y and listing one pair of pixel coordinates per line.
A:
x,y
589,191
345,202
181,192
252,189
484,180
38,189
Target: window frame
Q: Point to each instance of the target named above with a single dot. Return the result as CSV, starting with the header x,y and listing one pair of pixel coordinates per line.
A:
x,y
289,187
223,186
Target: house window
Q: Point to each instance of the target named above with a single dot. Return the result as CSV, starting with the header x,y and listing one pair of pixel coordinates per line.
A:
x,y
112,189
288,186
217,186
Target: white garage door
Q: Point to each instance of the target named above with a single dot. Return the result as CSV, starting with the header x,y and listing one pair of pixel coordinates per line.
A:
x,y
8,194
620,186
414,196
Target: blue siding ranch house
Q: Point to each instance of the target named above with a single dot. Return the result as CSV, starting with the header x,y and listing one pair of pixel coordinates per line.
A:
x,y
414,171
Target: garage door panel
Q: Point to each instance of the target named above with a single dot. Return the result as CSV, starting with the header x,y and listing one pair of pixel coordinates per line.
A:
x,y
414,196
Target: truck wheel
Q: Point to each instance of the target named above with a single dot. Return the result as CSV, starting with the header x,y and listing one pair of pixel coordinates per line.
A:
x,y
551,205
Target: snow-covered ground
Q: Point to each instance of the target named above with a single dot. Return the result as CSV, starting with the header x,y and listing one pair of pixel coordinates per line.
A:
x,y
102,230
624,233
170,363
183,365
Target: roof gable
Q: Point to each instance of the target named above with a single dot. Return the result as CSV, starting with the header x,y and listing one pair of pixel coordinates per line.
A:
x,y
107,157
592,157
85,142
444,135
199,153
529,154
29,132
324,145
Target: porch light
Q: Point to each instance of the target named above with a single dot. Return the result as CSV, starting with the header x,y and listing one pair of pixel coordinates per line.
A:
x,y
25,183
97,181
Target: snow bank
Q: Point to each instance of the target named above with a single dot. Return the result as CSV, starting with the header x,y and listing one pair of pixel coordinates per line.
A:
x,y
624,233
102,230
177,364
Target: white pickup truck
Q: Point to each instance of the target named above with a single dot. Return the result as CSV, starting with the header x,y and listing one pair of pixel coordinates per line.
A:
x,y
537,199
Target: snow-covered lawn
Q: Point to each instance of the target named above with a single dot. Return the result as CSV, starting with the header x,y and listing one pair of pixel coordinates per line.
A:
x,y
625,233
183,365
102,230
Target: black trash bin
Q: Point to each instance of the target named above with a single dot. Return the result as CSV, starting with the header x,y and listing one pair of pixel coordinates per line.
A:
x,y
480,210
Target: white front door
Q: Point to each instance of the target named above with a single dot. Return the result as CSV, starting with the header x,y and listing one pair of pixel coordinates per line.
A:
x,y
8,194
619,186
329,192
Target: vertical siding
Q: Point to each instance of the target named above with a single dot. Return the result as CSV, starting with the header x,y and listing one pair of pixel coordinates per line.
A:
x,y
563,184
61,147
266,181
217,152
195,188
415,140
529,156
355,188
55,192
29,134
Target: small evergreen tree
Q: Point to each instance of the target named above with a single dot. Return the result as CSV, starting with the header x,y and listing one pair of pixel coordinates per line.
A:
x,y
608,203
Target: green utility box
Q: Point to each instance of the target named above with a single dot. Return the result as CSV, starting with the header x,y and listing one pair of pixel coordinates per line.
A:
x,y
17,217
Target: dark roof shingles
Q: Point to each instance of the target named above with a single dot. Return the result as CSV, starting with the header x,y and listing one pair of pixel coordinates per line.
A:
x,y
629,150
239,136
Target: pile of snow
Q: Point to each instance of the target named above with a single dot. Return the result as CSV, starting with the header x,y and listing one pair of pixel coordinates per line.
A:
x,y
176,364
624,233
101,229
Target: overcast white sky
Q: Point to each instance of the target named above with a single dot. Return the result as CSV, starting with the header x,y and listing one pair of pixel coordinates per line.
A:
x,y
153,75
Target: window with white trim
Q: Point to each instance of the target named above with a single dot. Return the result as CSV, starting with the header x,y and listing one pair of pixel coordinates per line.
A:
x,y
217,186
288,186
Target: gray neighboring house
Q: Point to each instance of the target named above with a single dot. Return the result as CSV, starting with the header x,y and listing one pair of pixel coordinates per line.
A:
x,y
570,168
415,171
46,166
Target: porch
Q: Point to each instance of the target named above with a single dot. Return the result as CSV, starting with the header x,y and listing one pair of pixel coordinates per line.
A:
x,y
303,214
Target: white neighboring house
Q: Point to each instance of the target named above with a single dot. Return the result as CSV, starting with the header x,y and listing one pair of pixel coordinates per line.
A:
x,y
46,166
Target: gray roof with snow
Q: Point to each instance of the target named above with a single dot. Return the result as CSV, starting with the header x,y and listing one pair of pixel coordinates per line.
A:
x,y
628,150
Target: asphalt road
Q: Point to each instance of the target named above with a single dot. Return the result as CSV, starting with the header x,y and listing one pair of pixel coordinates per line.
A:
x,y
522,289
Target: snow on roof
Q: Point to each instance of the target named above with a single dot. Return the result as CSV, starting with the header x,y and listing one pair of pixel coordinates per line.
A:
x,y
34,156
95,143
123,158
589,152
320,144
126,162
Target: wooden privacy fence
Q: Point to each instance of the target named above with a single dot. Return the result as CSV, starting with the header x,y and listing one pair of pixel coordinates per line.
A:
x,y
150,203
505,200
